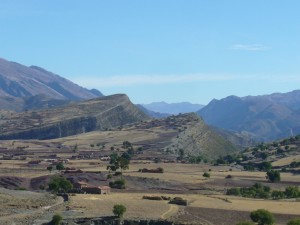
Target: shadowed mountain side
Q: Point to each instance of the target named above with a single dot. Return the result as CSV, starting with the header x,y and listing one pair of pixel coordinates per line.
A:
x,y
17,80
266,117
74,118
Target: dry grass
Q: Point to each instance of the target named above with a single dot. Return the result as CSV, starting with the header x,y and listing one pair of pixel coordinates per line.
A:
x,y
101,205
287,160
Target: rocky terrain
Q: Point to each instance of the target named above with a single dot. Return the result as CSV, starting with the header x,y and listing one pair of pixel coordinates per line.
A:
x,y
96,114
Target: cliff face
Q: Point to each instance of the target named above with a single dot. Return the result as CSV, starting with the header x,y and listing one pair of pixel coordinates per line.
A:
x,y
75,118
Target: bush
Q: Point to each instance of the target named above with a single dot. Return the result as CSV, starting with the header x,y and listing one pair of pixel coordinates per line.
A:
x,y
256,191
294,222
60,166
119,184
158,198
56,219
292,192
262,217
233,191
178,201
273,176
277,194
207,175
228,176
119,210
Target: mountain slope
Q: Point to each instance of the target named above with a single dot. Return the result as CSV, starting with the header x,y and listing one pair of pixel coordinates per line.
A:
x,y
198,139
266,117
74,118
172,108
17,80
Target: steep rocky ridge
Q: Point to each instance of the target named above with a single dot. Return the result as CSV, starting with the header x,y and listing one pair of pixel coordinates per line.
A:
x,y
95,114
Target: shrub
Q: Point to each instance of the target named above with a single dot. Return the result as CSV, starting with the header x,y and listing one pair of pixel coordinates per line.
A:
x,y
273,176
207,175
228,176
292,192
277,194
256,191
119,184
178,201
294,222
119,210
158,198
56,219
262,217
233,191
60,166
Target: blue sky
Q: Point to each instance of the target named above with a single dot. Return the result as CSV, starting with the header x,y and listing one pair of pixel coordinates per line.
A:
x,y
159,50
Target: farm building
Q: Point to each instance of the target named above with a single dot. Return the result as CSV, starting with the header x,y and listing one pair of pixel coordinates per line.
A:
x,y
80,185
97,190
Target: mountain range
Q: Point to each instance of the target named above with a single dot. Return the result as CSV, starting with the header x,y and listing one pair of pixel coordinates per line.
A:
x,y
20,81
265,117
172,108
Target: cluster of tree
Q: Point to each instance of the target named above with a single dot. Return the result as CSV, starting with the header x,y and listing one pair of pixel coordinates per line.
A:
x,y
264,217
118,163
256,191
59,184
260,191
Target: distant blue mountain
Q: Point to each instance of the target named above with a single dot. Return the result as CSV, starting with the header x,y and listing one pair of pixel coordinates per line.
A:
x,y
266,117
173,108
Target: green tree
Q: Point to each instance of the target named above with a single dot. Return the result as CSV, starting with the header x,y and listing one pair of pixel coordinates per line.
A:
x,y
294,222
56,219
119,210
262,217
59,184
292,192
118,163
50,168
273,176
60,166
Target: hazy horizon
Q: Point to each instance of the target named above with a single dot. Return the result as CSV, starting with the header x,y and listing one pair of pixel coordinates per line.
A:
x,y
172,51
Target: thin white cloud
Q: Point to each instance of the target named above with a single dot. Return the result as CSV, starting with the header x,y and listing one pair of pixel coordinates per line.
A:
x,y
252,47
132,80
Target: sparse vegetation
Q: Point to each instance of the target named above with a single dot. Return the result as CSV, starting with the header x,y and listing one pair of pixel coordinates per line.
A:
x,y
56,219
294,222
206,175
273,176
262,217
119,210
